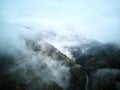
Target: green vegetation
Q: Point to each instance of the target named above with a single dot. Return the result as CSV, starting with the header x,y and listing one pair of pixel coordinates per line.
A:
x,y
98,59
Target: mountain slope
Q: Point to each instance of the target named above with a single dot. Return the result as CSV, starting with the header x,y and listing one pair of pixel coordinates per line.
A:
x,y
102,63
41,67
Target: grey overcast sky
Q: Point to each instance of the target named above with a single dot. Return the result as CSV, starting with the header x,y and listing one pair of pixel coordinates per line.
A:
x,y
97,19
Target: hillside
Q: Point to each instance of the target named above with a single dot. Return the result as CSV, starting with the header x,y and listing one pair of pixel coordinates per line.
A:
x,y
41,67
102,63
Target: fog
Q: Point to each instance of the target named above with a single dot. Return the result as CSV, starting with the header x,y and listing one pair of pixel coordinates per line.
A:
x,y
48,70
93,19
98,20
63,23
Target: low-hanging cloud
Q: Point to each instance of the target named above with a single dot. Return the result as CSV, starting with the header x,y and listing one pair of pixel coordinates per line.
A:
x,y
13,39
94,19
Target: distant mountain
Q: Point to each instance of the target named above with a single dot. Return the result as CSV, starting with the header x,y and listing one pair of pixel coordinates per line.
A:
x,y
84,48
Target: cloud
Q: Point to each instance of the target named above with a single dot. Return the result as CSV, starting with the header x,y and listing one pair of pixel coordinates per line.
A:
x,y
31,64
93,19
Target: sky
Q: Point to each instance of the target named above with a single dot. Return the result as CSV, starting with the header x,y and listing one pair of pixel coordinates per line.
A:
x,y
96,19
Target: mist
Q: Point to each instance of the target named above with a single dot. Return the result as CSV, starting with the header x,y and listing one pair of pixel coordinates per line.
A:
x,y
13,42
63,24
93,19
65,21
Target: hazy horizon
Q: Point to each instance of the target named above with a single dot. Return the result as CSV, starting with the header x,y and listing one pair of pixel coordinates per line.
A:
x,y
96,19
